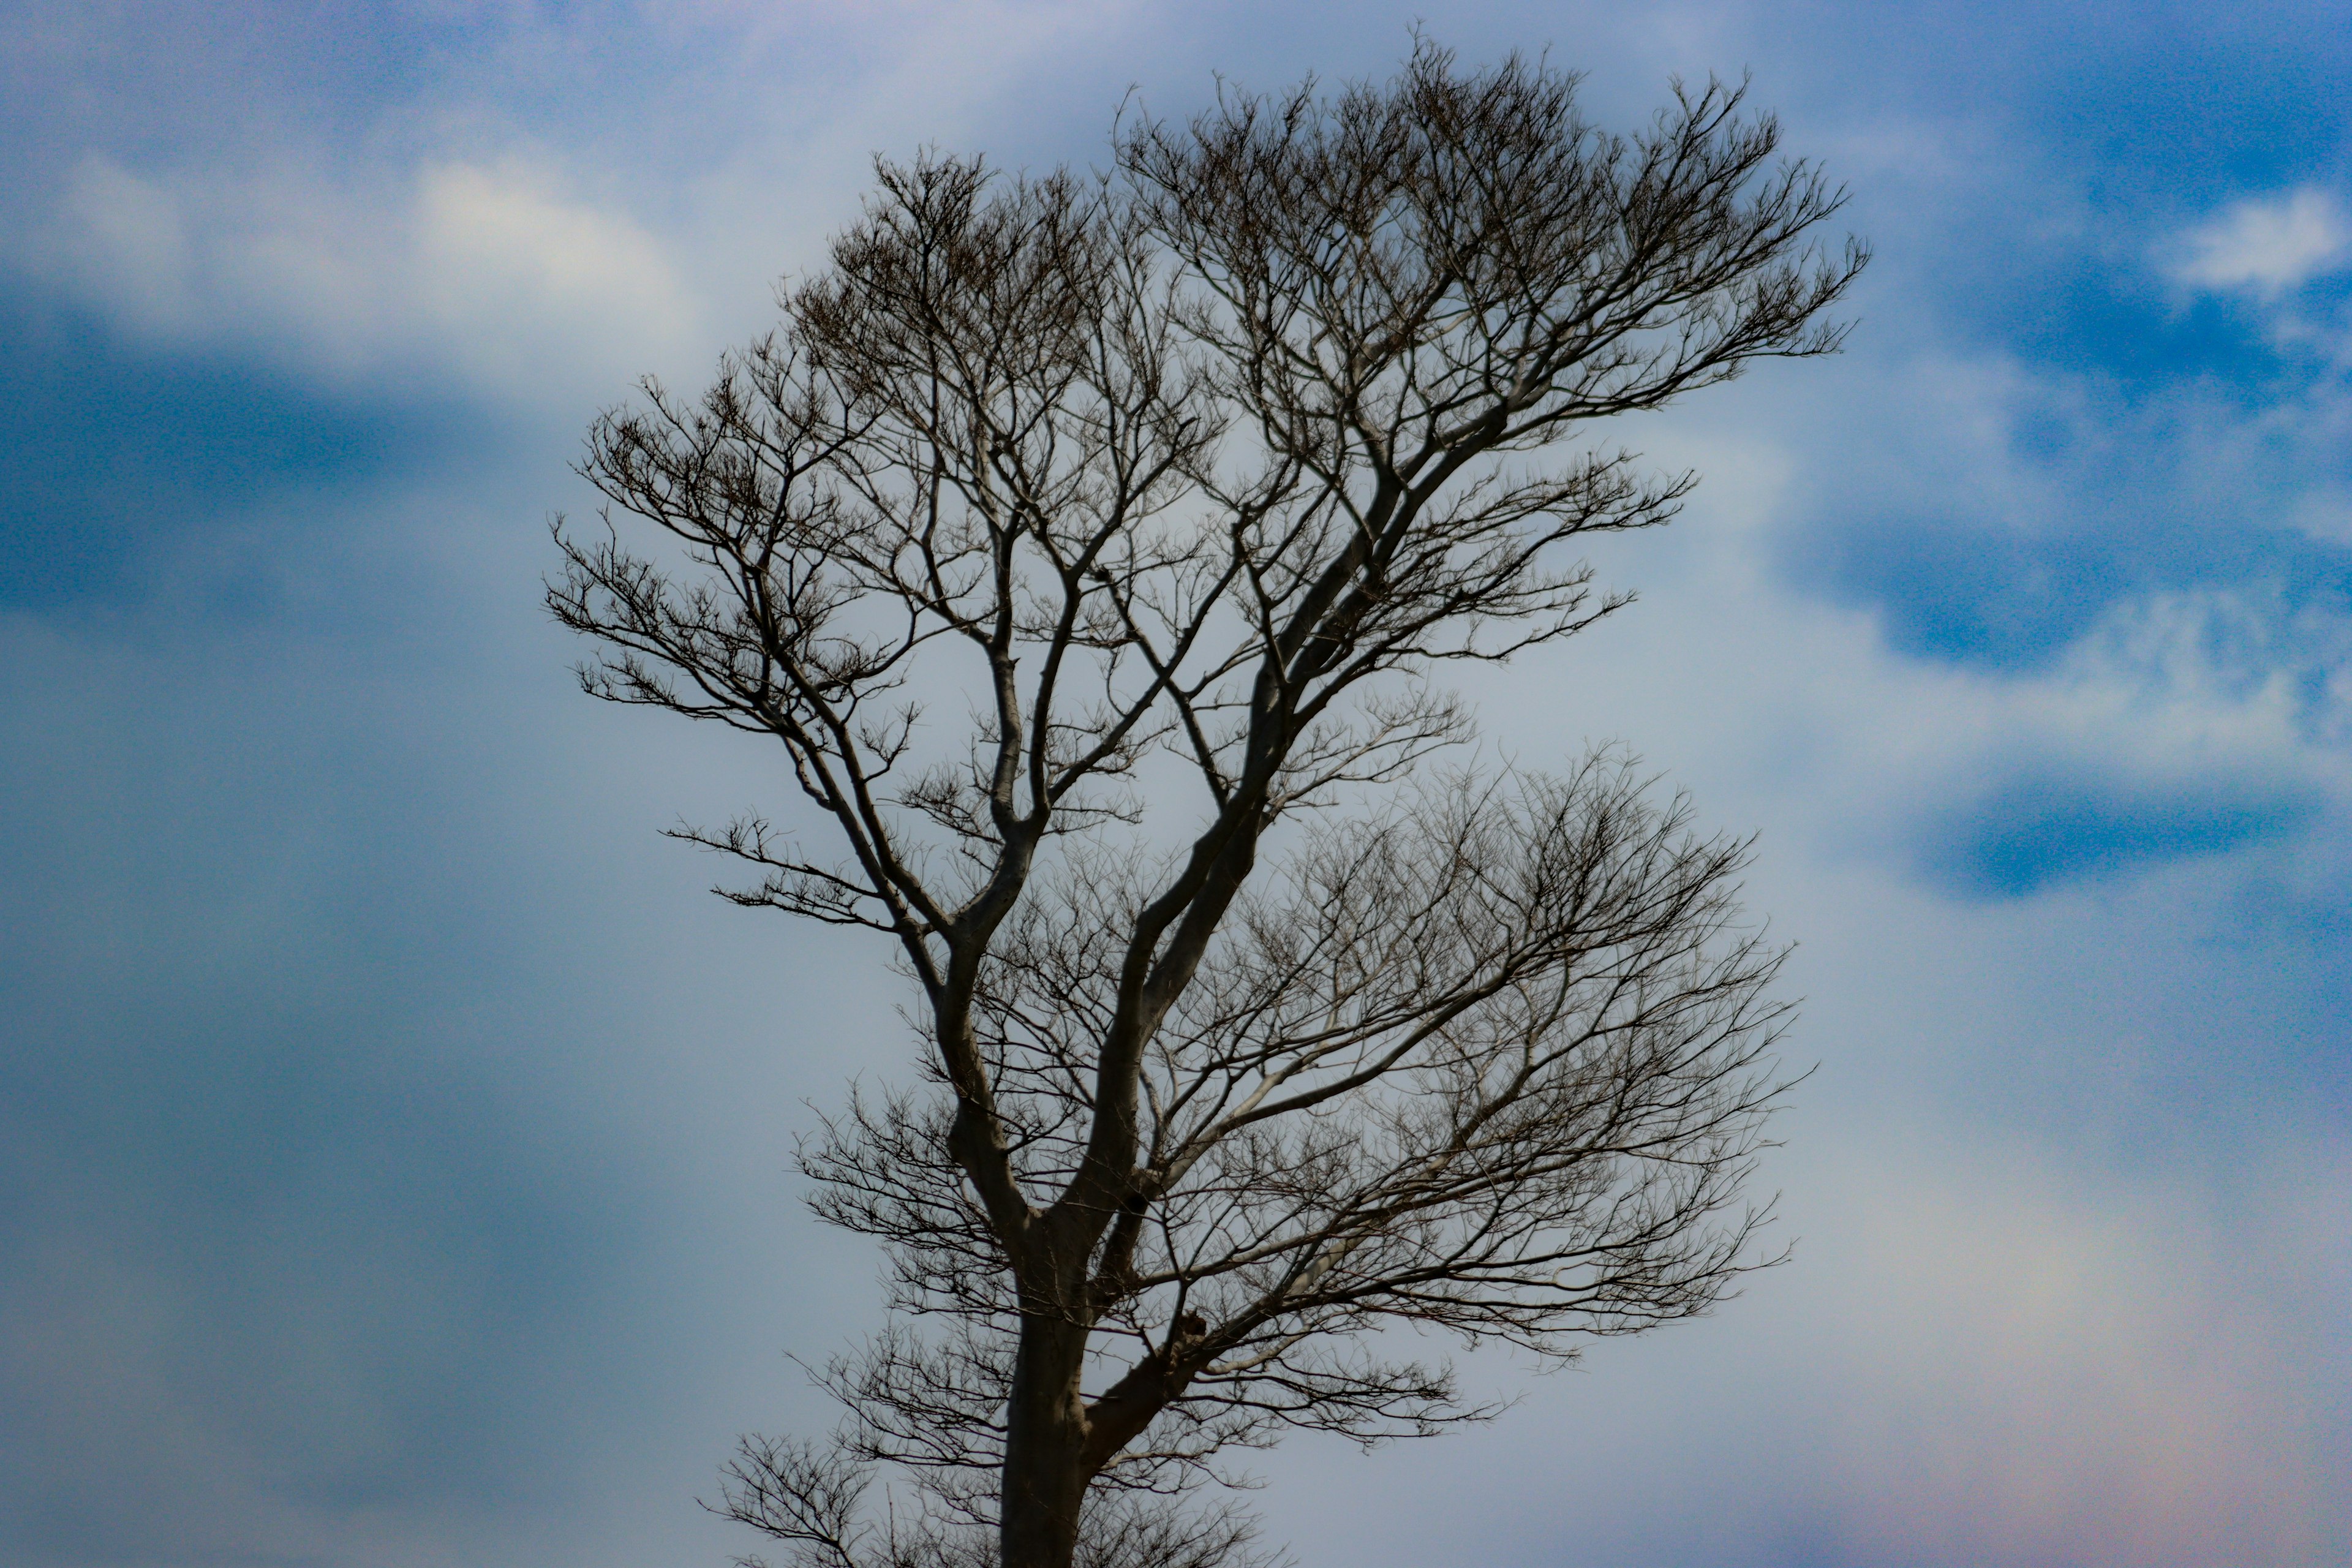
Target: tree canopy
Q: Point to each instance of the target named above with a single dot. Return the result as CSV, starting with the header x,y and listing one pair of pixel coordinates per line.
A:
x,y
1088,544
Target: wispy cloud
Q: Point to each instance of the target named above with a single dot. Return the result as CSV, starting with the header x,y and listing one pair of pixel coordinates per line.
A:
x,y
2266,248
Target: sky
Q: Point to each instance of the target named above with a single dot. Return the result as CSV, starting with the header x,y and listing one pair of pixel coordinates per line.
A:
x,y
395,1134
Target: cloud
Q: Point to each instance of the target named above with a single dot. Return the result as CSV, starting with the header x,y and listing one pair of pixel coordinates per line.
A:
x,y
2183,725
1981,1355
2168,725
132,237
2266,248
1992,509
399,1113
2038,1367
492,273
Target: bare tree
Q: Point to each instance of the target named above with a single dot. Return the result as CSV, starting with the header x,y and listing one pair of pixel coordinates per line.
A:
x,y
1250,1030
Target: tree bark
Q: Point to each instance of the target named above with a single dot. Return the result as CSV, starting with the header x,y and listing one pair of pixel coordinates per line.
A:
x,y
1044,1444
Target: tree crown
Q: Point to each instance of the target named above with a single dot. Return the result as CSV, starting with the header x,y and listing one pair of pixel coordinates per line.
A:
x,y
1197,468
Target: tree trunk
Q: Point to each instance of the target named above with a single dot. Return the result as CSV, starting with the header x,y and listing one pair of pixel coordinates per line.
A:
x,y
1045,1445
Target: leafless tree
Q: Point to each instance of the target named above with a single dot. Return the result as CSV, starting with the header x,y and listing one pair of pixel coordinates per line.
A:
x,y
1251,1030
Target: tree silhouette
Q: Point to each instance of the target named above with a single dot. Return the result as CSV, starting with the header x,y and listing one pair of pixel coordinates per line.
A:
x,y
1251,1026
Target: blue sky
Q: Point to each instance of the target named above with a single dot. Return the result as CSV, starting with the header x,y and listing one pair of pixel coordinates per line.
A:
x,y
393,1135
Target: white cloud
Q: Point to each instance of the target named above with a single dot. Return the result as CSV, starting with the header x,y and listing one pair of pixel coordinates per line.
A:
x,y
493,271
507,265
527,276
2267,247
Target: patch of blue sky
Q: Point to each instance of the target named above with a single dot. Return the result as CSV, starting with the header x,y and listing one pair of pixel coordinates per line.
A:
x,y
1982,593
2074,151
359,1276
2119,321
2145,446
2150,91
116,458
2031,833
2169,108
2091,496
334,69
